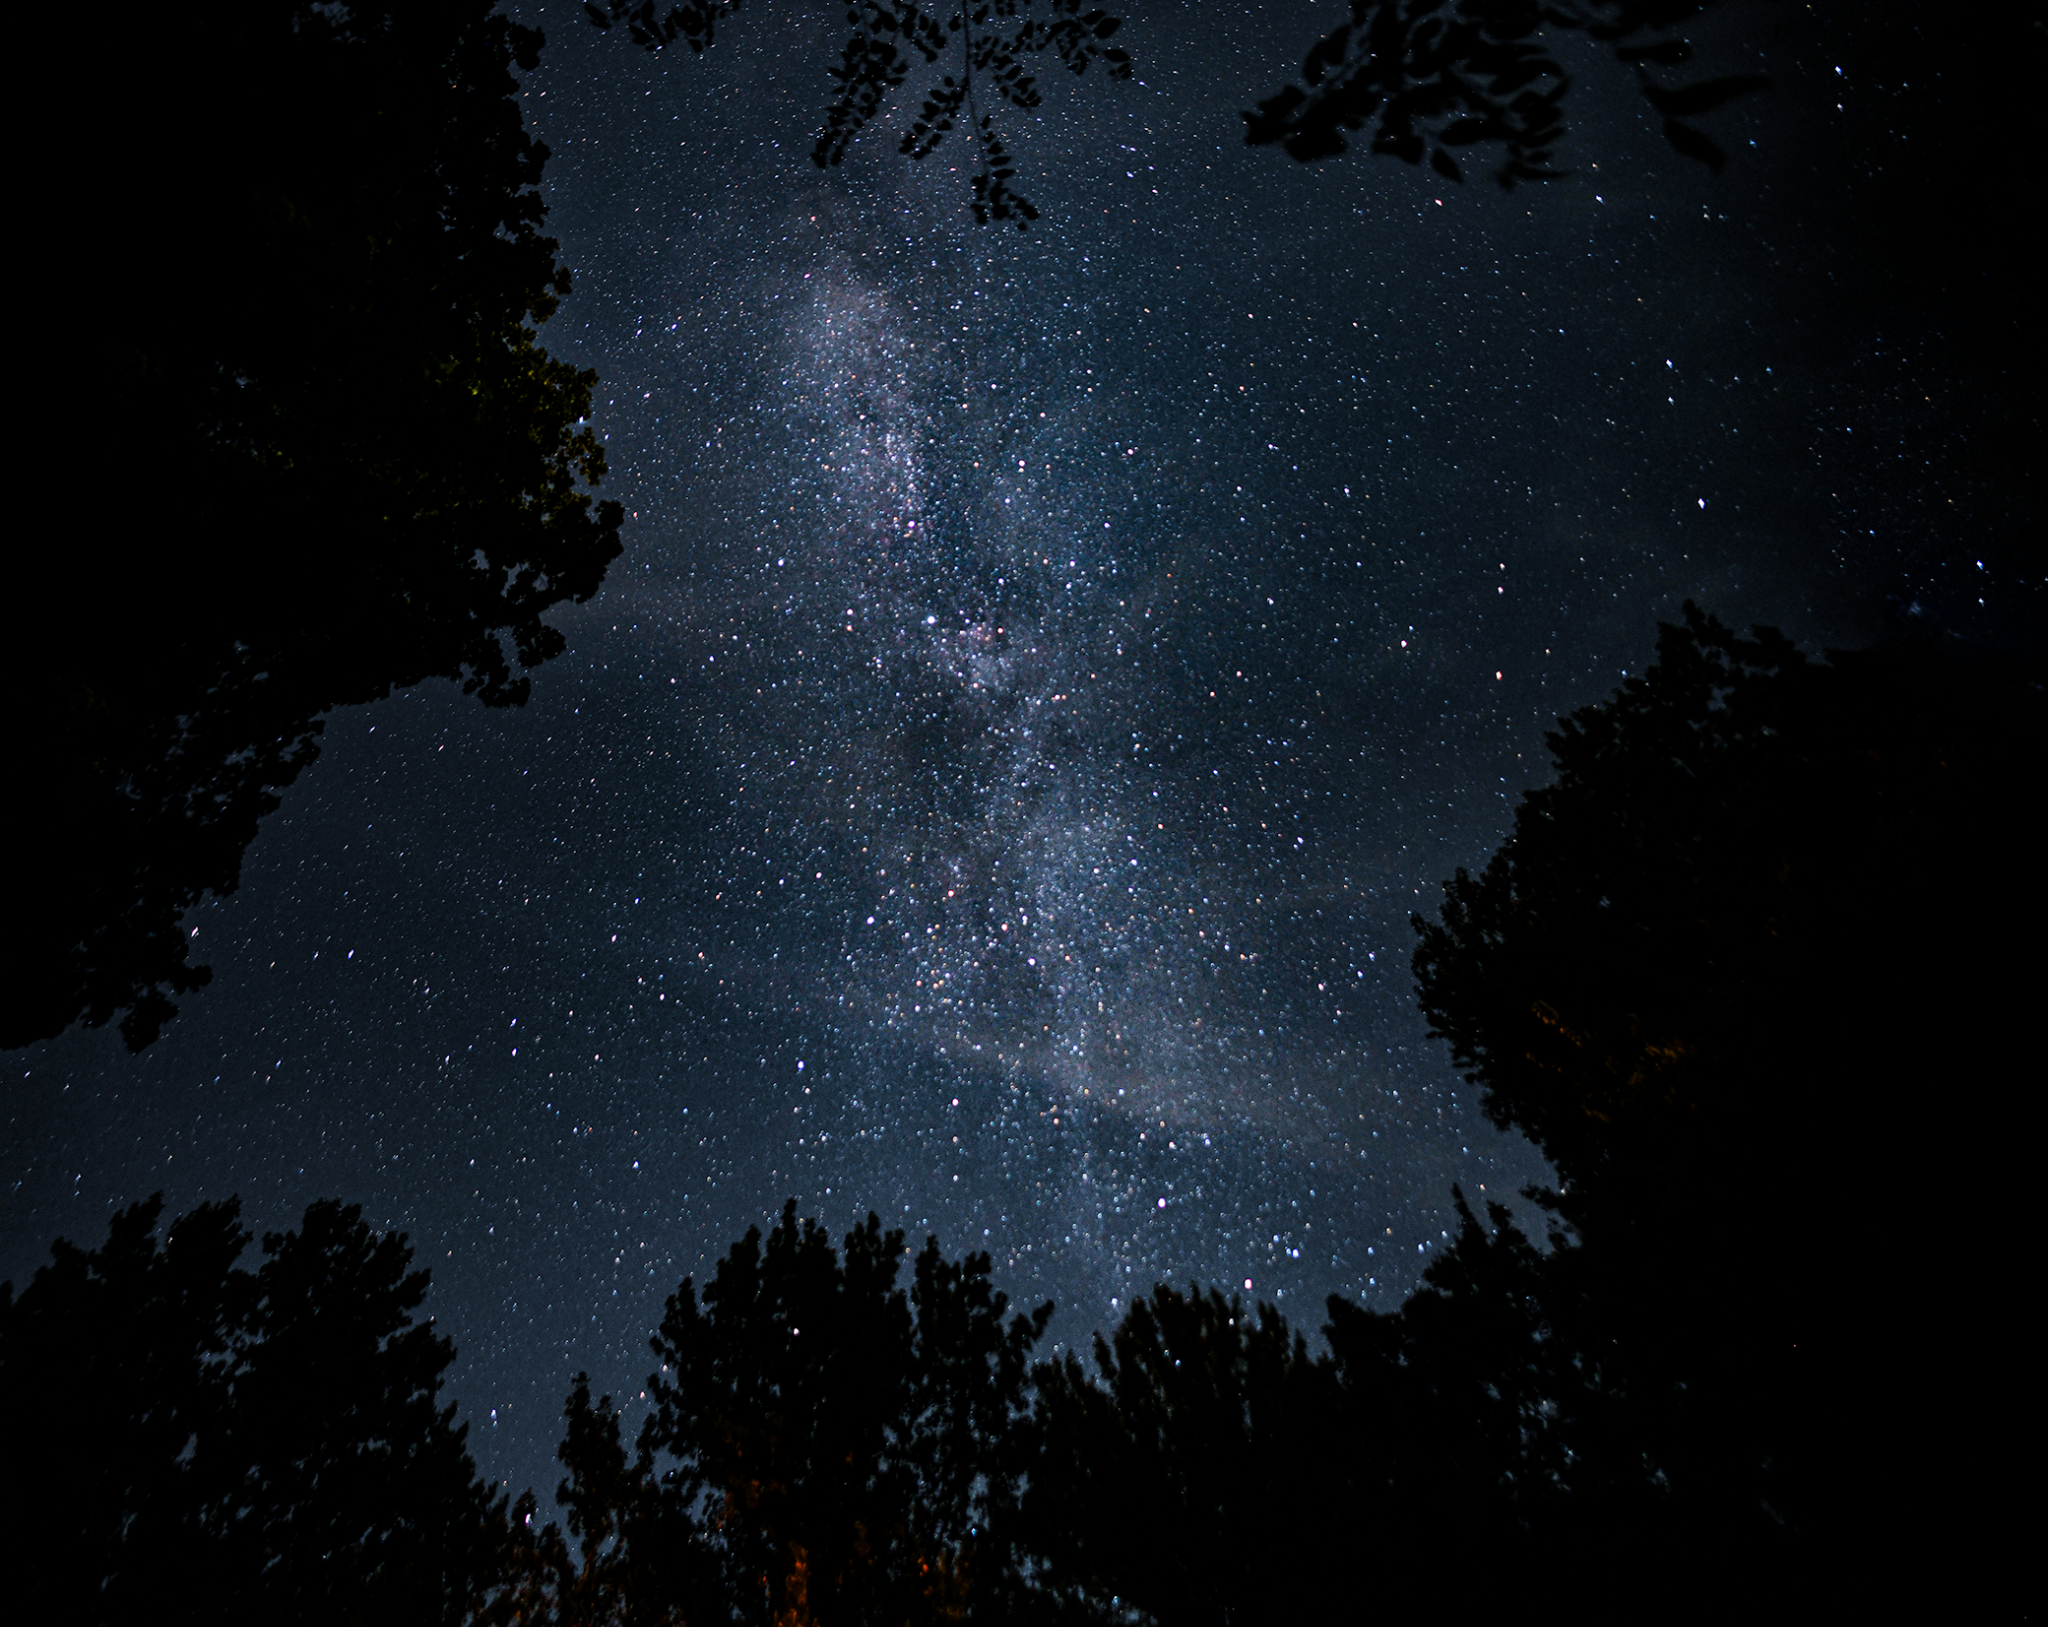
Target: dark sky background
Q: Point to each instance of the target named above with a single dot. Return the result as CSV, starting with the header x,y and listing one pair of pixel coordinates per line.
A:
x,y
1044,673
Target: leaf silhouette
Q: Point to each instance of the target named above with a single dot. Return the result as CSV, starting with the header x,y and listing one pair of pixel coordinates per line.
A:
x,y
1688,141
994,42
1401,73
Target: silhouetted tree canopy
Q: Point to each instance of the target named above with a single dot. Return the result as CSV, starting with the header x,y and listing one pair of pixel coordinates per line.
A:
x,y
1738,973
1212,1470
1743,891
1176,1482
190,1441
629,1556
821,1446
313,448
1733,965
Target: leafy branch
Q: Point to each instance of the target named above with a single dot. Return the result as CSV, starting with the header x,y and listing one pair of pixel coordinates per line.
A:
x,y
1426,76
996,40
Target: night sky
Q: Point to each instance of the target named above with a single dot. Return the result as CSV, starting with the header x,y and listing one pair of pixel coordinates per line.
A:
x,y
1044,674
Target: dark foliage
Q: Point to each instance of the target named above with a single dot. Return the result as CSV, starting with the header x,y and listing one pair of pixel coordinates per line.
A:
x,y
314,452
1741,895
995,40
821,1446
1174,1483
1428,76
1721,974
1732,966
1212,1471
1732,973
189,1441
629,1556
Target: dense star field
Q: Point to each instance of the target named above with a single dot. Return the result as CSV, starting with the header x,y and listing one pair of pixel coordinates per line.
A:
x,y
1045,673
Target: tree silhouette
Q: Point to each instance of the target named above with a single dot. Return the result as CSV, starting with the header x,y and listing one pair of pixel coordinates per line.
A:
x,y
1458,1402
1716,974
994,40
137,1339
1683,938
196,1441
821,1447
345,463
1717,971
1211,1469
1174,1483
1429,76
639,1559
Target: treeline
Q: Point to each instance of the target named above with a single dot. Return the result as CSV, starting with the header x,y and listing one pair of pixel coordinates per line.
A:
x,y
307,448
1752,972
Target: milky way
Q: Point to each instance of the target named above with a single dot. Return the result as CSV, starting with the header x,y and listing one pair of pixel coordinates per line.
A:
x,y
1012,847
1044,675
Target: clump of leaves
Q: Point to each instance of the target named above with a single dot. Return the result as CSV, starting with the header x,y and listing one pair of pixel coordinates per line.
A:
x,y
1425,76
995,43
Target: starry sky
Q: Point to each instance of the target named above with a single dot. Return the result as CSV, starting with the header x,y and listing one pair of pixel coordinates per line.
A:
x,y
1044,673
